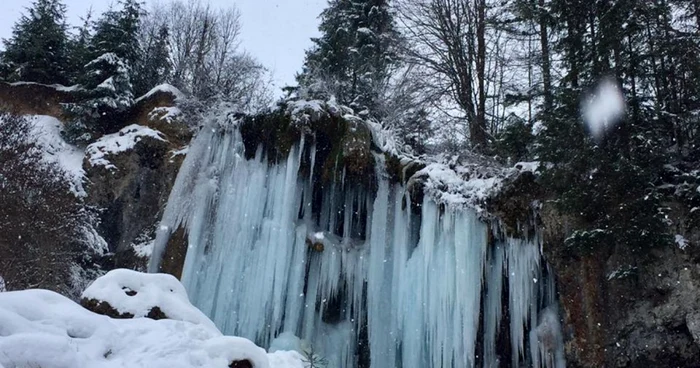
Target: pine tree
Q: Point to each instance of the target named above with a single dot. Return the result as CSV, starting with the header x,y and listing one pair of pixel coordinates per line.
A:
x,y
37,50
611,184
117,32
106,103
107,78
155,66
354,55
79,49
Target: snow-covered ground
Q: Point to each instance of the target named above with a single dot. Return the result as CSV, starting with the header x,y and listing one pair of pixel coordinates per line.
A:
x,y
39,328
47,131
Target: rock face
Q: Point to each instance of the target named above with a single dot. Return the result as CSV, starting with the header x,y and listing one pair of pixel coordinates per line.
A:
x,y
621,307
129,185
132,192
35,99
631,310
133,187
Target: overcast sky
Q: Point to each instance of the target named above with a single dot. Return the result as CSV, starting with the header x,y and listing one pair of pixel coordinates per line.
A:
x,y
275,31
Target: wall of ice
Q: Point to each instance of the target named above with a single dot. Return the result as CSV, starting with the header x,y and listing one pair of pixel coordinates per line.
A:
x,y
360,272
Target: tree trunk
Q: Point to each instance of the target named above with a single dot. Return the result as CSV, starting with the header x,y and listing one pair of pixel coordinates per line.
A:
x,y
478,130
546,71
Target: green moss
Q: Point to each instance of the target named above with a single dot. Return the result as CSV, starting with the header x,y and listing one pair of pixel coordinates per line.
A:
x,y
273,131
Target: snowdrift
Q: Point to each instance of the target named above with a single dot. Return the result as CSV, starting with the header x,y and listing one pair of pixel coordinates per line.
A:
x,y
39,328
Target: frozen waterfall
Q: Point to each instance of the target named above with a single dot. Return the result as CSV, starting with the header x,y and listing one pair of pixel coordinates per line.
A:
x,y
361,273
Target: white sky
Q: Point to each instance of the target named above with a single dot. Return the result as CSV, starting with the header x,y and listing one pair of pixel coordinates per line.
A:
x,y
276,32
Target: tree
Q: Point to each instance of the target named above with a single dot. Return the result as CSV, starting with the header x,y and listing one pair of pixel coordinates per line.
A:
x,y
79,48
613,184
155,67
207,62
448,40
117,32
43,223
106,79
354,57
37,50
106,100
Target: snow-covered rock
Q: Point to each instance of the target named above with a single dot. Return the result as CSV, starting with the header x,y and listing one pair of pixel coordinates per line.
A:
x,y
39,328
112,144
457,187
167,114
137,294
163,88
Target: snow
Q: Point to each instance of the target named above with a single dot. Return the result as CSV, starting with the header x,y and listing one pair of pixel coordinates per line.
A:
x,y
604,108
57,87
286,359
681,241
152,290
303,111
47,131
621,273
168,114
107,84
365,31
287,341
144,249
3,288
163,88
40,328
181,152
445,186
528,166
112,144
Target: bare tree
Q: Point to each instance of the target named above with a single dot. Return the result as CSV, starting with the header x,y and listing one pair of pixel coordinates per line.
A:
x,y
448,40
206,56
43,224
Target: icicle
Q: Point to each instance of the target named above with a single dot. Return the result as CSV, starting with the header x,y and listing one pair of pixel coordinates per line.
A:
x,y
492,304
523,276
382,339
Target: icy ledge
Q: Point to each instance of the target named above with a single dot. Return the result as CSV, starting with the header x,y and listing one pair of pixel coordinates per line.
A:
x,y
39,328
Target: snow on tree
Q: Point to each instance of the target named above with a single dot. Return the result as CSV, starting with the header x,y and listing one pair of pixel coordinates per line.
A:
x,y
107,78
36,52
109,96
354,56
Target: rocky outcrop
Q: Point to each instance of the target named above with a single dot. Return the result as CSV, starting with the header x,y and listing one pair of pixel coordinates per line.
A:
x,y
621,307
25,98
131,184
132,192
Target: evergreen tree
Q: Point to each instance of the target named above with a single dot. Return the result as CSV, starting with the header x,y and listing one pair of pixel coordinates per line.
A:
x,y
37,50
79,49
106,102
155,66
117,32
107,78
354,56
612,184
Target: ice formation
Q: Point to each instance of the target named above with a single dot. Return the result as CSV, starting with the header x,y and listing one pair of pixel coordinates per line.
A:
x,y
346,266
